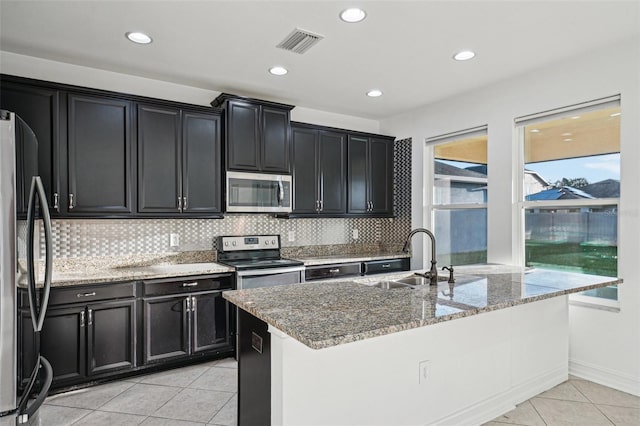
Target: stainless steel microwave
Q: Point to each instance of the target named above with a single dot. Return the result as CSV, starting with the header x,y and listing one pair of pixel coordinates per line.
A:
x,y
258,193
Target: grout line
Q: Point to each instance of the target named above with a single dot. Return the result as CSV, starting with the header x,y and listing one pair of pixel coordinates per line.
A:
x,y
82,417
223,405
123,391
536,410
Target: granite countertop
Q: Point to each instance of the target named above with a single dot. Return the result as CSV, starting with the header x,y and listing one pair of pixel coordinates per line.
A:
x,y
95,270
322,314
346,258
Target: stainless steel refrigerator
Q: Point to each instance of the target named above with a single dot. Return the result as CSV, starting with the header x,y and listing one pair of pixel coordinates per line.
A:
x,y
19,185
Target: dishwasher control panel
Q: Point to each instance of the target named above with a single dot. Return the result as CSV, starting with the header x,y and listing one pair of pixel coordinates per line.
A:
x,y
249,242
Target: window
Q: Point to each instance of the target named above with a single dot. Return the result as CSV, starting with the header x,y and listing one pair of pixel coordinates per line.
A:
x,y
571,187
459,201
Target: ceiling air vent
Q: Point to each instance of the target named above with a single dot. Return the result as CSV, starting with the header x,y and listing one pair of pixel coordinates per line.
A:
x,y
299,41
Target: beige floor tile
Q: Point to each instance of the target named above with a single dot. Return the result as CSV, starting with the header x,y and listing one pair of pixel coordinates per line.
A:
x,y
599,394
226,363
196,405
141,399
621,416
157,421
228,415
181,377
559,413
92,398
523,414
52,415
219,379
564,391
103,418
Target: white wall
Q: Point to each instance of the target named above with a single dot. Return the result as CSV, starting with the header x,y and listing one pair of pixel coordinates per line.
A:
x,y
605,346
60,72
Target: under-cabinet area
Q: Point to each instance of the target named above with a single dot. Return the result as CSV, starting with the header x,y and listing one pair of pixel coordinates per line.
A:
x,y
101,331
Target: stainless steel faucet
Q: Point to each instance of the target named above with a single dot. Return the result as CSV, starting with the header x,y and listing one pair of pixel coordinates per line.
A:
x,y
433,271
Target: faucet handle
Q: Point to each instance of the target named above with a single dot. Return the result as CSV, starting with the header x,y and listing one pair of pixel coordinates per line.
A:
x,y
450,269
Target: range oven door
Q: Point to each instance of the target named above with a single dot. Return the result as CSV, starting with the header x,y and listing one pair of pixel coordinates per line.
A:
x,y
270,277
258,193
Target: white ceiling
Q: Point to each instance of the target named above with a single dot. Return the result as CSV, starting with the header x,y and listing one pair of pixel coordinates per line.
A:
x,y
403,47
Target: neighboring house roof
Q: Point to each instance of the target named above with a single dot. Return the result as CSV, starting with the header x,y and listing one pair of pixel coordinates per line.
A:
x,y
537,177
609,188
449,170
559,193
482,169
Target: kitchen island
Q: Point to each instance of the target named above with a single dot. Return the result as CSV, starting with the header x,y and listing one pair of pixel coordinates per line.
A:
x,y
349,353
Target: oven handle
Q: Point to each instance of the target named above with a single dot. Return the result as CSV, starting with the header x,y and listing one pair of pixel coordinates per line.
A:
x,y
269,271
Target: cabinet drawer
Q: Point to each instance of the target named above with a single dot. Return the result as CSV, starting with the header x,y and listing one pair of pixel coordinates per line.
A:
x,y
162,287
382,266
332,271
84,294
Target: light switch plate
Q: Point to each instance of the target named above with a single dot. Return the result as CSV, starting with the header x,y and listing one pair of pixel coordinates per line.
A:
x,y
174,240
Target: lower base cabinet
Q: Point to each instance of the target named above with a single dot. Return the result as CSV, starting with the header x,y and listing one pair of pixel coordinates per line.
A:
x,y
93,332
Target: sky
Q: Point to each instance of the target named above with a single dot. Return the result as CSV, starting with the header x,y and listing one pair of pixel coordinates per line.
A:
x,y
594,168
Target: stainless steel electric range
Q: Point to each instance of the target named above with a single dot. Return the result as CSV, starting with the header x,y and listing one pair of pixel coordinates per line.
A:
x,y
257,261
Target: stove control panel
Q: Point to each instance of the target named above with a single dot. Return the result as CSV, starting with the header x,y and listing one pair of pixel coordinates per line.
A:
x,y
249,242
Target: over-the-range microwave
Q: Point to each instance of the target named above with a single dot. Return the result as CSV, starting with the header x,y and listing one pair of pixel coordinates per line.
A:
x,y
258,193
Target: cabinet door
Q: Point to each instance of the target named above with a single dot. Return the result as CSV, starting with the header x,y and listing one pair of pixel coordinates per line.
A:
x,y
357,174
38,107
201,163
111,334
166,328
63,343
275,140
332,165
210,321
159,173
243,139
99,155
305,172
381,176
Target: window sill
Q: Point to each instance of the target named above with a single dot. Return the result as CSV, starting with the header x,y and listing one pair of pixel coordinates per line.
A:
x,y
594,303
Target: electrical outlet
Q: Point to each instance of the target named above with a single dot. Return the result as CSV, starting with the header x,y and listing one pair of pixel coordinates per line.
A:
x,y
423,371
291,236
355,234
174,240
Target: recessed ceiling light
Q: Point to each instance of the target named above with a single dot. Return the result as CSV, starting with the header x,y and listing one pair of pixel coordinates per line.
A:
x,y
464,55
278,70
568,140
575,117
535,131
615,114
353,15
374,93
566,134
138,37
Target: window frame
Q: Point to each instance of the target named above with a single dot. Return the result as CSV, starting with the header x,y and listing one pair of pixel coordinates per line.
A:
x,y
520,204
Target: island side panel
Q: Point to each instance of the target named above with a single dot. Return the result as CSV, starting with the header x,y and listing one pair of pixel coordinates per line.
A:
x,y
254,371
476,369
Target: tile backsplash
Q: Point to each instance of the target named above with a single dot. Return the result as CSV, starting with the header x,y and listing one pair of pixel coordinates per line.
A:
x,y
114,237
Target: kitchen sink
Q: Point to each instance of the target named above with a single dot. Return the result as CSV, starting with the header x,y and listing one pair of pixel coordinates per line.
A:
x,y
388,285
419,280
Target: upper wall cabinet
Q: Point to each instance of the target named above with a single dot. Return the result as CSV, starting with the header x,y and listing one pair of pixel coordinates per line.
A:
x,y
319,171
258,134
99,156
370,175
178,161
38,107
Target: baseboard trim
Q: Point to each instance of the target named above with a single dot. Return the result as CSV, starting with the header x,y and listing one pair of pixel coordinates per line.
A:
x,y
504,402
605,376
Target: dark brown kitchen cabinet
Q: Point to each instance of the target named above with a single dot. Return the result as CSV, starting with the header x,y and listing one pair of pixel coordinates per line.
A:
x,y
183,318
179,168
99,157
257,134
370,175
83,341
319,172
39,107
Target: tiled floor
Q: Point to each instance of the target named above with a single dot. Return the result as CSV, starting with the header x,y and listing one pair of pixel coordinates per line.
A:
x,y
575,402
203,394
206,394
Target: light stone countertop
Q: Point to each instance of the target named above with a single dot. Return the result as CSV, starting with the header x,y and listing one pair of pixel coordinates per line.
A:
x,y
348,258
322,314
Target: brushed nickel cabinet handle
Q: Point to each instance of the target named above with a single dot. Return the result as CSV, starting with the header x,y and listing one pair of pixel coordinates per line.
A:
x,y
71,204
191,284
194,304
334,271
184,203
55,201
93,293
90,317
188,304
386,265
81,319
179,204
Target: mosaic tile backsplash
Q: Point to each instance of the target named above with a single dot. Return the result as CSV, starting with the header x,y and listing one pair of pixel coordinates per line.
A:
x,y
116,237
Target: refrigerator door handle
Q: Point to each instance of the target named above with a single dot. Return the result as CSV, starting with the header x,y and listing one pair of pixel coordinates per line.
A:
x,y
37,191
24,411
